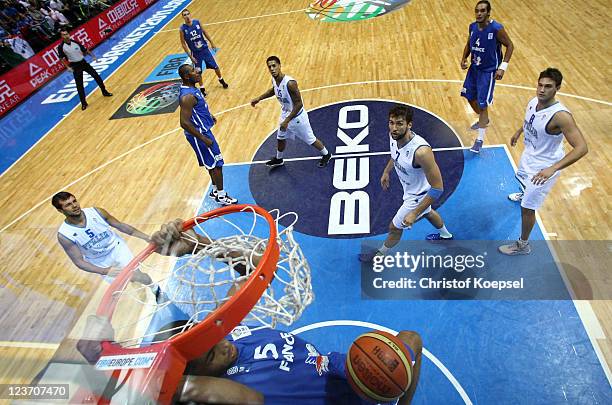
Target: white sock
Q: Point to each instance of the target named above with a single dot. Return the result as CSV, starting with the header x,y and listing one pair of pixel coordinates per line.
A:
x,y
383,249
279,154
444,232
481,134
214,188
324,151
221,193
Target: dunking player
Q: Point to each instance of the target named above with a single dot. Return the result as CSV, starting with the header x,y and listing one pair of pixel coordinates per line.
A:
x,y
250,366
197,121
421,180
484,45
294,118
547,121
89,240
192,40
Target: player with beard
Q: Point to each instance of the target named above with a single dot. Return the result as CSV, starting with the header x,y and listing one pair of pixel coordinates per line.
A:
x,y
89,240
420,177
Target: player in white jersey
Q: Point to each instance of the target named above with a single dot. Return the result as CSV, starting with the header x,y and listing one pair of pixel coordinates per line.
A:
x,y
420,177
547,121
88,239
294,118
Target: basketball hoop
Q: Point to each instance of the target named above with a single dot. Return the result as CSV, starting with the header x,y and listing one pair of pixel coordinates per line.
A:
x,y
146,370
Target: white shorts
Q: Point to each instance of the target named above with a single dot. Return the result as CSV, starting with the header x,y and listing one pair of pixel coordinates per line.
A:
x,y
119,257
534,196
406,207
299,127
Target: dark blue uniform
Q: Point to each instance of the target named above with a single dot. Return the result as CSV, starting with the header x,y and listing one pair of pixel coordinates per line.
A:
x,y
208,156
486,56
194,36
288,370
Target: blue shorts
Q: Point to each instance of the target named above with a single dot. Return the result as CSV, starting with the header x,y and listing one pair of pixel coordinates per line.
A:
x,y
207,57
209,157
479,86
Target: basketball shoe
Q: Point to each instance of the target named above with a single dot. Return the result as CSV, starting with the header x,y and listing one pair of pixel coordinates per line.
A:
x,y
225,200
274,162
520,247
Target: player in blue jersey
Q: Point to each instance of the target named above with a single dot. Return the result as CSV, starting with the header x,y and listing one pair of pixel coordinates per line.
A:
x,y
257,366
484,43
192,36
253,366
266,365
197,121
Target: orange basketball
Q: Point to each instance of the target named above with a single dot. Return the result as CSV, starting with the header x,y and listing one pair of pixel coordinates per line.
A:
x,y
379,367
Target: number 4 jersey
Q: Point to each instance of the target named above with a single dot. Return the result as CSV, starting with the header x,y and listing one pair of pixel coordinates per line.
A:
x,y
288,370
484,46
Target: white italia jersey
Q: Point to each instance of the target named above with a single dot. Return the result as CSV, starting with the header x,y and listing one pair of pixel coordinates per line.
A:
x,y
542,149
96,240
412,178
284,98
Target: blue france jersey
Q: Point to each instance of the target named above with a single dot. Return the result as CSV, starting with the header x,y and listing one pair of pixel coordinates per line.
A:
x,y
288,370
194,36
201,117
484,46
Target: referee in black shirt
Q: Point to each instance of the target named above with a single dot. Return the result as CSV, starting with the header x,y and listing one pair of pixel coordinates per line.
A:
x,y
72,55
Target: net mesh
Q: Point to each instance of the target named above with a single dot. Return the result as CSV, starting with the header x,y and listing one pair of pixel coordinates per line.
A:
x,y
196,284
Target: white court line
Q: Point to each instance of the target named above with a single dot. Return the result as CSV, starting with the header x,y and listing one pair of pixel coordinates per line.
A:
x,y
87,175
30,345
347,155
512,86
244,18
369,325
240,106
86,95
583,308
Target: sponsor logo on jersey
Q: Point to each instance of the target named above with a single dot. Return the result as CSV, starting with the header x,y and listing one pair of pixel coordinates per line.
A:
x,y
321,363
240,332
352,10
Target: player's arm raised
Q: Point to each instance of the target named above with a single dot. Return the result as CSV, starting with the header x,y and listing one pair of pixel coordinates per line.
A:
x,y
74,254
213,390
122,226
296,98
504,39
172,240
264,96
565,122
186,104
413,340
424,157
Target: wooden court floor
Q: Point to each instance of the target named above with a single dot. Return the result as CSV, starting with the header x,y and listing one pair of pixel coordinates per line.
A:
x,y
143,172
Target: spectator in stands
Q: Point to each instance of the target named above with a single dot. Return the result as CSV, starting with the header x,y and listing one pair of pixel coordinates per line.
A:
x,y
21,47
8,56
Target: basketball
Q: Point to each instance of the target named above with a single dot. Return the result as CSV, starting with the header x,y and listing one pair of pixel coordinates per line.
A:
x,y
379,367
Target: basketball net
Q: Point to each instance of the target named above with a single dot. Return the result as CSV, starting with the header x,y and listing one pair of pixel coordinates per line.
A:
x,y
253,274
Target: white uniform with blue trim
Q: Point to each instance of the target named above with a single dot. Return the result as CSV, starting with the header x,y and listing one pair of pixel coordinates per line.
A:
x,y
413,179
542,150
299,126
97,241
